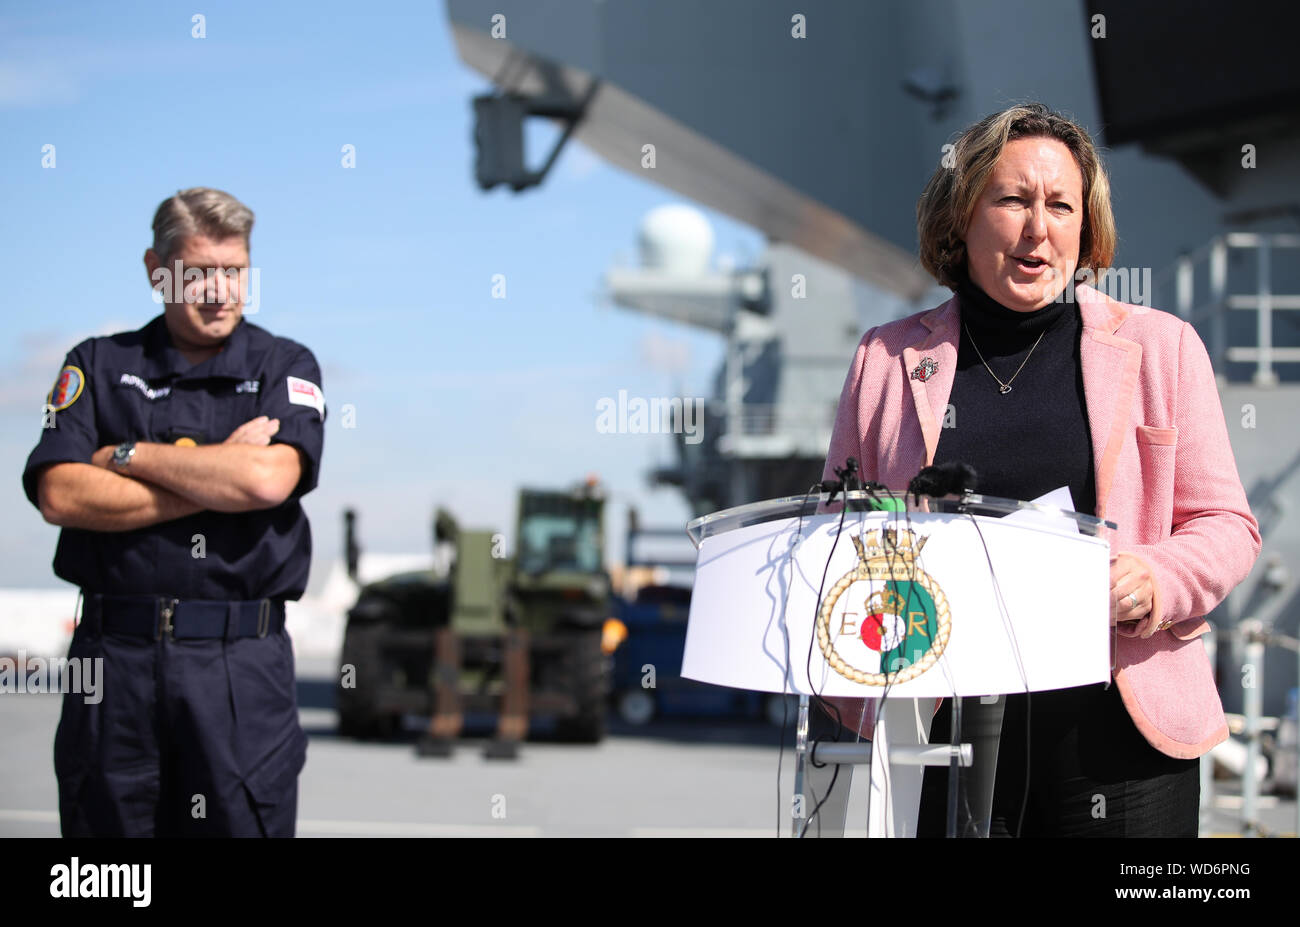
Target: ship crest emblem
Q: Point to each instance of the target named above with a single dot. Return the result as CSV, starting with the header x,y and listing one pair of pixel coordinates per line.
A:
x,y
885,621
925,370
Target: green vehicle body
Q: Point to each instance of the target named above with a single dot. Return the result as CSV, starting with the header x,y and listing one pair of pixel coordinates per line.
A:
x,y
555,590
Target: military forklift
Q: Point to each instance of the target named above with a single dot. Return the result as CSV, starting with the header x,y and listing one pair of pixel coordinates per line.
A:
x,y
524,636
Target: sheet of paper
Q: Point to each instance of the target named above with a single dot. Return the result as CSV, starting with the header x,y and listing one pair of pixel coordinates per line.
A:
x,y
1060,498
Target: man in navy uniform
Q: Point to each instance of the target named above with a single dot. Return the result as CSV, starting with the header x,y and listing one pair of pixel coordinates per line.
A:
x,y
174,458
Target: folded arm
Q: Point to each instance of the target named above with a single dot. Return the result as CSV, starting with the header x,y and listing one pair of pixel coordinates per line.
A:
x,y
164,482
78,495
220,477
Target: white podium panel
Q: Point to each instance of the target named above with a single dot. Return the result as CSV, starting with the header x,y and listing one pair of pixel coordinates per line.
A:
x,y
914,605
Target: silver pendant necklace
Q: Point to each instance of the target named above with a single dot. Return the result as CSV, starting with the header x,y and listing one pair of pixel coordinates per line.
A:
x,y
1003,388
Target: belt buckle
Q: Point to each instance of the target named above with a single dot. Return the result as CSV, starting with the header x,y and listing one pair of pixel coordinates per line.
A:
x,y
166,609
263,617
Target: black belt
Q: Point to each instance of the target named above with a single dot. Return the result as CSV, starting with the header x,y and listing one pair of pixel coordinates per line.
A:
x,y
182,619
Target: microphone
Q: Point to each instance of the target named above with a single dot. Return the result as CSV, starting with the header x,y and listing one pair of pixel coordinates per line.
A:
x,y
848,479
952,477
849,474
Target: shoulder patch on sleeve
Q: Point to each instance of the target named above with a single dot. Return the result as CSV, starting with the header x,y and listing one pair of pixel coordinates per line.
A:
x,y
67,388
306,393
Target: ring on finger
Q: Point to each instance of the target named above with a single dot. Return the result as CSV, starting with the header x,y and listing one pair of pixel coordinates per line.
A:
x,y
1133,599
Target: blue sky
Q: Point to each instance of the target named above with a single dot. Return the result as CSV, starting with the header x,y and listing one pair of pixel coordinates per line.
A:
x,y
384,270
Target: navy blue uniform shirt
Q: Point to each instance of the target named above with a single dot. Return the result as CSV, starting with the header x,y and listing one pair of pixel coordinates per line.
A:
x,y
136,386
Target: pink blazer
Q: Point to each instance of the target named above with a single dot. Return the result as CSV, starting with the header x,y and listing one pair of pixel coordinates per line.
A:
x,y
1164,469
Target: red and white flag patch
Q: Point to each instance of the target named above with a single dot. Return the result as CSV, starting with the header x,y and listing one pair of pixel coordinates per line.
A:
x,y
306,393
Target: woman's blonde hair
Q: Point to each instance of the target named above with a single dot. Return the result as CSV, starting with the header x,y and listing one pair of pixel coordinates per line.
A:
x,y
944,211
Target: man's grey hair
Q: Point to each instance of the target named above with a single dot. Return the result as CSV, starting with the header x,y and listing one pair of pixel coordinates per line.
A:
x,y
202,211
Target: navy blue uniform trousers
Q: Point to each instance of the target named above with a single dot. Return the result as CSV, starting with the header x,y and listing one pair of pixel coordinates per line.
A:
x,y
191,738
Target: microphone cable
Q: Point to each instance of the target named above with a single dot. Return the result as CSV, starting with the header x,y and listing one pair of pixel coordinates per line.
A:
x,y
935,481
1003,613
828,707
785,629
849,481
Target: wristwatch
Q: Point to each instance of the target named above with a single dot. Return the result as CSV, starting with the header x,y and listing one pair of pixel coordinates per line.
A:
x,y
123,453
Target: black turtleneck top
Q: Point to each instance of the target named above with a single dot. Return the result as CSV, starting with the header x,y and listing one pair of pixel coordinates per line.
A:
x,y
1035,438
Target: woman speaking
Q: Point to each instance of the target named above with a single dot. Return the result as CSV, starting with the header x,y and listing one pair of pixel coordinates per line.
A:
x,y
1049,384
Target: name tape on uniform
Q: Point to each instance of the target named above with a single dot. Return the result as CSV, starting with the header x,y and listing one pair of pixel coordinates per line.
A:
x,y
130,379
306,393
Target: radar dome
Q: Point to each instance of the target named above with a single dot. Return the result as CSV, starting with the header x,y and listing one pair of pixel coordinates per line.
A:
x,y
676,239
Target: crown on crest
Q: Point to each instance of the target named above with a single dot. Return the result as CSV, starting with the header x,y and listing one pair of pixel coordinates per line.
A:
x,y
888,544
885,602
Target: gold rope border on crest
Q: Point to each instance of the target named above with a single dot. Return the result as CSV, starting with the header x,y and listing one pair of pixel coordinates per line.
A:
x,y
912,670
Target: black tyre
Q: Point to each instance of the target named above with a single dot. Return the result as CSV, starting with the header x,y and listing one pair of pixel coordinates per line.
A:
x,y
586,676
359,715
